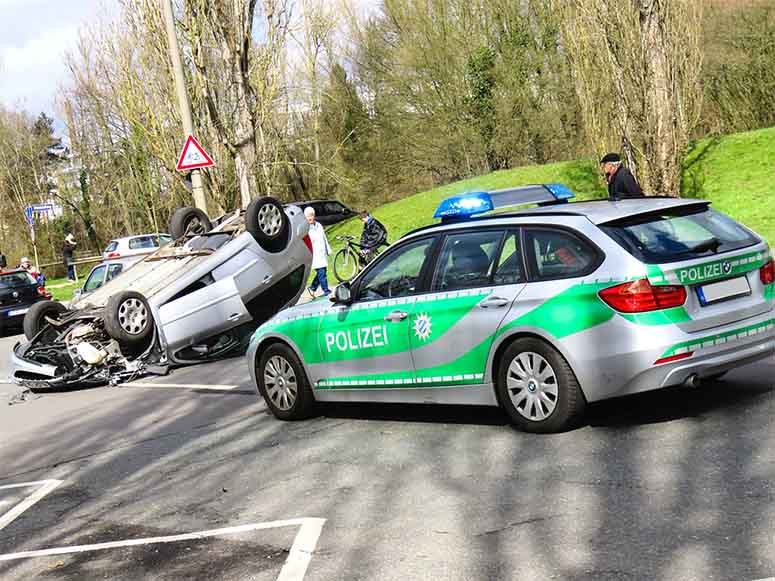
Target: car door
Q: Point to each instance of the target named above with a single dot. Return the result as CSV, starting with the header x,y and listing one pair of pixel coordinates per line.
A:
x,y
366,344
478,275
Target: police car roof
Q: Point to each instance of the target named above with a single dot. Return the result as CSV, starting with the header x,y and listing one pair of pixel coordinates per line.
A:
x,y
602,211
598,212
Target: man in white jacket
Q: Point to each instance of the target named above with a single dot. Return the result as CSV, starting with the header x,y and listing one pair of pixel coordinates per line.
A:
x,y
320,251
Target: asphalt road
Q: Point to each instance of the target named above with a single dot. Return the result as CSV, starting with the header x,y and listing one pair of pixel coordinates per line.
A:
x,y
676,484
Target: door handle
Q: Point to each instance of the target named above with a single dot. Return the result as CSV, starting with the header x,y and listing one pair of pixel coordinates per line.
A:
x,y
234,316
396,316
494,303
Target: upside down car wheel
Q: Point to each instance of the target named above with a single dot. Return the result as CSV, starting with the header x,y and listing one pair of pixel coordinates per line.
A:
x,y
35,319
267,222
128,318
189,221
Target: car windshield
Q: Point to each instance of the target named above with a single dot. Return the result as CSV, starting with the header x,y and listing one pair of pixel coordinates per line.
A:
x,y
14,279
111,246
678,235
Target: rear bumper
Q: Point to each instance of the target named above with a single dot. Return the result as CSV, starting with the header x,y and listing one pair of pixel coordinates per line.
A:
x,y
624,360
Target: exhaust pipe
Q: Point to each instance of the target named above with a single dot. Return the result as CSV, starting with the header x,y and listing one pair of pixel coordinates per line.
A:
x,y
692,381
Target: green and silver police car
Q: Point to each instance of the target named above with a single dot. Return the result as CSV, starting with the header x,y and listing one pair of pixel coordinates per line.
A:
x,y
539,311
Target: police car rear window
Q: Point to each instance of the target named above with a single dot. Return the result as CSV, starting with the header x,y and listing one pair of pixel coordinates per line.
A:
x,y
679,234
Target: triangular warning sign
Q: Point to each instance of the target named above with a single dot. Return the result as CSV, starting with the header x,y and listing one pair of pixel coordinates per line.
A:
x,y
193,156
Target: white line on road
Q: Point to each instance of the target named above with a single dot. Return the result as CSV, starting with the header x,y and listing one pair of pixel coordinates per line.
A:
x,y
294,568
185,386
46,486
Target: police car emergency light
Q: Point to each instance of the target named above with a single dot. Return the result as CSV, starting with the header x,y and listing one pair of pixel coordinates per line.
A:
x,y
473,203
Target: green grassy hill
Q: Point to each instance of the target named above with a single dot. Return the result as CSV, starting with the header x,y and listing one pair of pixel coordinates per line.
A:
x,y
735,172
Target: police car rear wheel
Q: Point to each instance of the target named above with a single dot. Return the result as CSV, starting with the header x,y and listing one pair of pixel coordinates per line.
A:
x,y
283,383
537,387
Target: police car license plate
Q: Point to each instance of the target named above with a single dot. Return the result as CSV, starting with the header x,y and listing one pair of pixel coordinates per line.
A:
x,y
726,289
17,312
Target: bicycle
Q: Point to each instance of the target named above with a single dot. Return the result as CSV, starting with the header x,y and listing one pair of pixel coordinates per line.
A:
x,y
349,261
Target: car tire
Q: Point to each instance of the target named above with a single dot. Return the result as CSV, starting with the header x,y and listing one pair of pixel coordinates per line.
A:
x,y
189,221
35,318
128,318
537,388
268,224
279,374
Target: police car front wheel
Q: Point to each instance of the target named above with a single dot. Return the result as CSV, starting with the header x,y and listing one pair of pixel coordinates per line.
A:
x,y
283,383
537,387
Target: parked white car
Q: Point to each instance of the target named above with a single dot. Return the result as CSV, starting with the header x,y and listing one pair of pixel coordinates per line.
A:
x,y
131,249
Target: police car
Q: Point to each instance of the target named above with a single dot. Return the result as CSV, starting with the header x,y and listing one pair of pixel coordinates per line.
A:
x,y
539,311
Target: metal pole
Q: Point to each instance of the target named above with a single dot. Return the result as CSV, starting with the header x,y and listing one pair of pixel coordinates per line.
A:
x,y
185,106
34,246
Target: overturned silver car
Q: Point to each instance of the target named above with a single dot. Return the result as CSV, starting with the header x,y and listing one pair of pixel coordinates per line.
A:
x,y
193,300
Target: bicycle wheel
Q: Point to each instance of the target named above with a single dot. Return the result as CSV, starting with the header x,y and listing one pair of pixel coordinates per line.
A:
x,y
345,264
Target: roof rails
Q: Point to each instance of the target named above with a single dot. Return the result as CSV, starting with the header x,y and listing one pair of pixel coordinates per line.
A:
x,y
470,204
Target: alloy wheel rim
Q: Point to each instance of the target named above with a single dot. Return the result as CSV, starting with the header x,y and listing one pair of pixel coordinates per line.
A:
x,y
133,316
280,381
270,219
532,386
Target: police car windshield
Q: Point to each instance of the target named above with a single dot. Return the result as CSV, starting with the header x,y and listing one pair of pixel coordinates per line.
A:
x,y
677,235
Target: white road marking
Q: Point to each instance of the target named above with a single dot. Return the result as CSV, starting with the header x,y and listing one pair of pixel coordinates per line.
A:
x,y
185,386
293,569
46,486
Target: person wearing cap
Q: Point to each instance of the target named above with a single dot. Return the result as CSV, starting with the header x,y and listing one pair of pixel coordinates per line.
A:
x,y
621,182
67,256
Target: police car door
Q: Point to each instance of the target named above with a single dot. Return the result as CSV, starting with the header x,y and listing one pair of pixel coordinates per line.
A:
x,y
365,345
478,275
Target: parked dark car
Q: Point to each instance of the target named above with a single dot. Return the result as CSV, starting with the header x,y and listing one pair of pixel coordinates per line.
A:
x,y
18,292
328,212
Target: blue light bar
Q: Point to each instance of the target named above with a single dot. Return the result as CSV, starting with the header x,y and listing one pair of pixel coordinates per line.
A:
x,y
468,204
474,203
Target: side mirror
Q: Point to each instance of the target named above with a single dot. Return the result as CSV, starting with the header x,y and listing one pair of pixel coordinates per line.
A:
x,y
342,294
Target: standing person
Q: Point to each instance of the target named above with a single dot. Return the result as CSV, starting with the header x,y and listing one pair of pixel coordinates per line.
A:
x,y
374,235
3,262
621,182
67,256
320,252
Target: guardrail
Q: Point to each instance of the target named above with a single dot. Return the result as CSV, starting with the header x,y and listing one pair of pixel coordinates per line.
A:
x,y
80,260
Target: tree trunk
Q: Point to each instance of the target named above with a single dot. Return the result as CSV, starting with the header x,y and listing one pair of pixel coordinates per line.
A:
x,y
661,147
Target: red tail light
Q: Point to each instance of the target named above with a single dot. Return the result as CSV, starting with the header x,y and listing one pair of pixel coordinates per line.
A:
x,y
114,254
641,296
674,358
42,290
308,242
767,272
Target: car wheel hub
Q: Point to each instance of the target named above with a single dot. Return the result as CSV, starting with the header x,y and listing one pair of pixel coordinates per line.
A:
x,y
280,382
270,219
532,386
133,316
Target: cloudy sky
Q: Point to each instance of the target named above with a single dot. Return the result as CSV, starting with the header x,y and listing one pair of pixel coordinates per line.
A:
x,y
34,35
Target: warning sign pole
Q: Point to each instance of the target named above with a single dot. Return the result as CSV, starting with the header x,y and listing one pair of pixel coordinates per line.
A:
x,y
185,107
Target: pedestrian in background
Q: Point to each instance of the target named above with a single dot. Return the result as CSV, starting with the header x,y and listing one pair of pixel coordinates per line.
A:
x,y
621,182
3,262
25,264
67,256
321,250
373,236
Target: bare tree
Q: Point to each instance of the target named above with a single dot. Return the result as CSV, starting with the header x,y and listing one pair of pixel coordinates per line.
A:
x,y
636,66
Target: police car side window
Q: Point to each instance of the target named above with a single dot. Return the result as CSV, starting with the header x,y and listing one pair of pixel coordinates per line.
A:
x,y
509,269
397,274
559,254
467,260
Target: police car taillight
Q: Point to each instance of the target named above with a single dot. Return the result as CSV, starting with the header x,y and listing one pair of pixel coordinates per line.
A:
x,y
641,296
767,272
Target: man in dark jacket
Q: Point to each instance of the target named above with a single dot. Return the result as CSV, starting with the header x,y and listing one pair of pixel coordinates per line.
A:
x,y
621,182
67,256
374,235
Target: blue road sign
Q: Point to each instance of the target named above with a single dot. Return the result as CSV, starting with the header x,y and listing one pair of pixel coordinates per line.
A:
x,y
29,213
